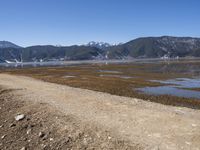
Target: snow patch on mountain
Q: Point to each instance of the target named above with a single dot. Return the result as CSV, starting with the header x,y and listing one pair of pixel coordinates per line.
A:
x,y
100,45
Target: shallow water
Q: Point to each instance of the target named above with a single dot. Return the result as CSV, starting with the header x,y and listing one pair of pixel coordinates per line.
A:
x,y
176,88
110,71
116,76
69,76
169,90
71,62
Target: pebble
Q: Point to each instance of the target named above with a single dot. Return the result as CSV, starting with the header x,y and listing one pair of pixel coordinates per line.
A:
x,y
109,137
188,143
28,131
45,137
98,135
43,145
19,117
85,141
12,125
194,125
41,134
3,136
23,148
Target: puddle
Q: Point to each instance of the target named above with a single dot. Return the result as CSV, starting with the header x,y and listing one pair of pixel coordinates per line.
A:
x,y
182,82
170,90
109,71
69,76
175,88
117,76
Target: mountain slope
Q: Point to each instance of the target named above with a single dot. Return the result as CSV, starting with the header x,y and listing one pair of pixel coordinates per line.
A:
x,y
153,47
6,44
47,53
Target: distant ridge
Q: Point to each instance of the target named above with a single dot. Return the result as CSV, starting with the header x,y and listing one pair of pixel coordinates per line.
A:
x,y
147,47
6,44
157,47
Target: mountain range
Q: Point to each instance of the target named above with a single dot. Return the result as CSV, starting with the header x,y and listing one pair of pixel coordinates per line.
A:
x,y
147,47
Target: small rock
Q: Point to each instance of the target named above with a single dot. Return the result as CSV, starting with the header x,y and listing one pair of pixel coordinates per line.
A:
x,y
98,135
51,139
12,125
43,145
19,117
31,126
85,135
28,131
67,139
45,137
188,143
85,141
1,126
41,134
194,125
109,137
25,126
3,136
23,148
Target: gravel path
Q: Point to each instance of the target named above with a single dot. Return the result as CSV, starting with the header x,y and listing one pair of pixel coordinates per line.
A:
x,y
151,125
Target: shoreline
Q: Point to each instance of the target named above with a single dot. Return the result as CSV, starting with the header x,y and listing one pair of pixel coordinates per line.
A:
x,y
82,62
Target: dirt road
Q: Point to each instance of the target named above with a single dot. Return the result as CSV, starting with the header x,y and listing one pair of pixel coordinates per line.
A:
x,y
150,125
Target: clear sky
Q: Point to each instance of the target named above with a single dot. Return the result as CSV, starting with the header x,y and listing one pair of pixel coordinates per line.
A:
x,y
68,22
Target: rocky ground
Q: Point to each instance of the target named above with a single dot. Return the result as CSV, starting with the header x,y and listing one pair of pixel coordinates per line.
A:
x,y
40,115
27,126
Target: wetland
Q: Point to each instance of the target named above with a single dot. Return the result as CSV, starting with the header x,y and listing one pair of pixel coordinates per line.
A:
x,y
173,82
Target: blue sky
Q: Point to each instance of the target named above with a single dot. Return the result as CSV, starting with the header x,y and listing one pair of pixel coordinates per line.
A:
x,y
68,22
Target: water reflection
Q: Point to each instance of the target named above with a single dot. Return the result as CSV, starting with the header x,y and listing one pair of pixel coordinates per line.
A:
x,y
179,87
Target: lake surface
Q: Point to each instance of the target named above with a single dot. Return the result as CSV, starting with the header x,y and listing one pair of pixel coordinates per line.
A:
x,y
181,87
66,63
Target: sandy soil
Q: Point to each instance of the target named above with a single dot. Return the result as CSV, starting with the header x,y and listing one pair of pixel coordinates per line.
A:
x,y
127,123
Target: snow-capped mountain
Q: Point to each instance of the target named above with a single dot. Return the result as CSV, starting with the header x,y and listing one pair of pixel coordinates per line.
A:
x,y
100,45
6,44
